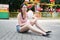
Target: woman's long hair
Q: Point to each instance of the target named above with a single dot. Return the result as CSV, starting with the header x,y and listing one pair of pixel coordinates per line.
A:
x,y
21,10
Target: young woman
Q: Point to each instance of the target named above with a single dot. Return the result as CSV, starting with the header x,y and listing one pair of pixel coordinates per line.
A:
x,y
25,24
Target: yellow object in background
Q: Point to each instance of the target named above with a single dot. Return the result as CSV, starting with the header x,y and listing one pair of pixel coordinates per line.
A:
x,y
31,0
4,10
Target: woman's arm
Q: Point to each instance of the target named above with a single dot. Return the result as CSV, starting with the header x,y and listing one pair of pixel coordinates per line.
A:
x,y
35,18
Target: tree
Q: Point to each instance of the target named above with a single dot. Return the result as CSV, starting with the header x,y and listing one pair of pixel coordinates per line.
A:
x,y
15,4
45,1
57,1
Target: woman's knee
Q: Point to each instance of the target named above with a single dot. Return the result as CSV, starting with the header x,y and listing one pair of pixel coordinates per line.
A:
x,y
28,25
31,23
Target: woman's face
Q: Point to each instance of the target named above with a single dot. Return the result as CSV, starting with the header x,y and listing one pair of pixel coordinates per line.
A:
x,y
24,8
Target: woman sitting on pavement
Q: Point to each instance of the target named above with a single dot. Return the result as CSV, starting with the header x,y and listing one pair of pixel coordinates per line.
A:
x,y
25,24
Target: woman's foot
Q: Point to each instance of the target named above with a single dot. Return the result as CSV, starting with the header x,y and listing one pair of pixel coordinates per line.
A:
x,y
46,35
48,31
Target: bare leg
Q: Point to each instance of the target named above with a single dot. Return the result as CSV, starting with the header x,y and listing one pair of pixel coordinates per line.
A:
x,y
38,25
32,28
24,28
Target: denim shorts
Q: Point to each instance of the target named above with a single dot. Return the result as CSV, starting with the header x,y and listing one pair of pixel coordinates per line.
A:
x,y
18,29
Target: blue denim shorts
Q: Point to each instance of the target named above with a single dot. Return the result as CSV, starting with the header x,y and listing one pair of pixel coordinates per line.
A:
x,y
18,29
